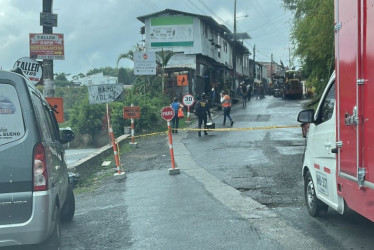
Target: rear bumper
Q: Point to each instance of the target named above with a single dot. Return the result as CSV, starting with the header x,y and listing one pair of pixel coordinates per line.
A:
x,y
37,229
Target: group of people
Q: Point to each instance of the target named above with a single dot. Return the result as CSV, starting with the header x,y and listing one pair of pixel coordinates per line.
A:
x,y
202,111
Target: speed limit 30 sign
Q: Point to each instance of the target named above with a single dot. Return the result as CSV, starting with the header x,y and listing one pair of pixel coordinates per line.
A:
x,y
188,100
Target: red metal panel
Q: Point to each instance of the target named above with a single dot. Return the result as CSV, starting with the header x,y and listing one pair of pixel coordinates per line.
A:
x,y
346,87
355,60
368,93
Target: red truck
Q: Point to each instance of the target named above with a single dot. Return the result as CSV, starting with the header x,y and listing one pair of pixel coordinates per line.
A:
x,y
338,167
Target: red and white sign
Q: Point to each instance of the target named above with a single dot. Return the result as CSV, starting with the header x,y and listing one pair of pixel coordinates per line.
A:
x,y
167,113
47,46
30,68
188,100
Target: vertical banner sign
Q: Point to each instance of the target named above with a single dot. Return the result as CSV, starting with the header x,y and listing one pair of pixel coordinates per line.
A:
x,y
144,63
104,93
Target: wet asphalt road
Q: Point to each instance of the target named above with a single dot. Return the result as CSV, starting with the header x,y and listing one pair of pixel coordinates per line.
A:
x,y
263,165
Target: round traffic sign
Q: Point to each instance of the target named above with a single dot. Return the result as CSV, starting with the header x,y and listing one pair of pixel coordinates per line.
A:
x,y
188,100
30,68
167,113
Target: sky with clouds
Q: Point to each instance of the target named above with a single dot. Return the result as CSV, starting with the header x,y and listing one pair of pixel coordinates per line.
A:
x,y
96,32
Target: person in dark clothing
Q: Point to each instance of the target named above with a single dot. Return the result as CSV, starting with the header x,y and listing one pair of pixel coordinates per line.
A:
x,y
202,111
175,121
243,90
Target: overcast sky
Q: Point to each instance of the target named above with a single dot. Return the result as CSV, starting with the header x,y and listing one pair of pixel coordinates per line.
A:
x,y
96,32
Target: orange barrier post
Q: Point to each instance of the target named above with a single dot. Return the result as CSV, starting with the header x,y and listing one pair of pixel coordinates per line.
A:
x,y
172,170
115,152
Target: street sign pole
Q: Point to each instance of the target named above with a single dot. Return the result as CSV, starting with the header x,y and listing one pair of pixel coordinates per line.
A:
x,y
167,113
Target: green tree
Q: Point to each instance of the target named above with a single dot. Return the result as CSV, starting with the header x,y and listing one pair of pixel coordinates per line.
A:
x,y
60,80
87,118
312,35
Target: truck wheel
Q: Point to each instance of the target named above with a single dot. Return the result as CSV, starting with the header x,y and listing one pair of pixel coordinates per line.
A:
x,y
68,210
313,204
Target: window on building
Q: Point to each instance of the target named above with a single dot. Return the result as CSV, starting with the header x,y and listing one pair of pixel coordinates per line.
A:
x,y
224,44
205,29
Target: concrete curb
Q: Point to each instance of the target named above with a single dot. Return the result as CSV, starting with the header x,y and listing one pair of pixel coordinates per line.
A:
x,y
87,165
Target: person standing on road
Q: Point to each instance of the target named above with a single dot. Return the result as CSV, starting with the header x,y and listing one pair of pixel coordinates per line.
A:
x,y
175,121
226,105
243,91
202,111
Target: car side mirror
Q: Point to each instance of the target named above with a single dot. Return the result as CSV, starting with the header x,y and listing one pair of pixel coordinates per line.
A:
x,y
67,135
306,116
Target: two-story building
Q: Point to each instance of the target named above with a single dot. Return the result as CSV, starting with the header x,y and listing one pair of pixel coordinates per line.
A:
x,y
203,52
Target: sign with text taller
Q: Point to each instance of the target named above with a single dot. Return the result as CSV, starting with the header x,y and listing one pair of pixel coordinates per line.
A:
x,y
47,46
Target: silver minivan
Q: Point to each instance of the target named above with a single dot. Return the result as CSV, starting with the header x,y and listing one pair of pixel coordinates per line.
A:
x,y
35,193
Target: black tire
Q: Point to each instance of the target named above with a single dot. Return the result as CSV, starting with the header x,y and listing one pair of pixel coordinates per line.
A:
x,y
313,204
68,209
54,241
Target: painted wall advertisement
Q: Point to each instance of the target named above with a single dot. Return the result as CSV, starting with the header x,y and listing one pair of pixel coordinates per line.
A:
x,y
47,46
11,126
171,31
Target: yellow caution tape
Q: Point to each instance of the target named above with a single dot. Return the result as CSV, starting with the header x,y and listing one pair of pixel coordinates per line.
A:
x,y
240,129
221,129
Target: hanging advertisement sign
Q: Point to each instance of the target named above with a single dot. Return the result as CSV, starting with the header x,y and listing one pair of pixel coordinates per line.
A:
x,y
47,46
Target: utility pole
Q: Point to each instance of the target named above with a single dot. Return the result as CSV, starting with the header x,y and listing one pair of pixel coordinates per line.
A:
x,y
234,48
254,67
271,66
49,88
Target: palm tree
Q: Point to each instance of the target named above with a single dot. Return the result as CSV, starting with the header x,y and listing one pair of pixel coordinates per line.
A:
x,y
128,55
162,59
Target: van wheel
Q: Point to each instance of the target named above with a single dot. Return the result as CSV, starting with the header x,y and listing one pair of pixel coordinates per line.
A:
x,y
68,210
54,242
313,204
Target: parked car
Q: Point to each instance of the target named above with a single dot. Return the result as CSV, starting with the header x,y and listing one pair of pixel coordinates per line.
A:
x,y
35,193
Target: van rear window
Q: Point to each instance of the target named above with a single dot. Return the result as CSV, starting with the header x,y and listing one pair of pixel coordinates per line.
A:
x,y
11,121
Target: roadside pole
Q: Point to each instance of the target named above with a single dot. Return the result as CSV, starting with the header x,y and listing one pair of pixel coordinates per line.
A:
x,y
167,113
132,113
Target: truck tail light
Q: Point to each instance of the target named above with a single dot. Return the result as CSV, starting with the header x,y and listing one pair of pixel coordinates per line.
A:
x,y
40,168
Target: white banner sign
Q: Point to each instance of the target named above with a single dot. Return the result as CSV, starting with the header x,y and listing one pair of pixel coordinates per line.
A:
x,y
144,63
104,93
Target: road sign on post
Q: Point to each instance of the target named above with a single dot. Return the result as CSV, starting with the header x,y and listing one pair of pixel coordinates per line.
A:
x,y
188,101
167,113
132,112
144,63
